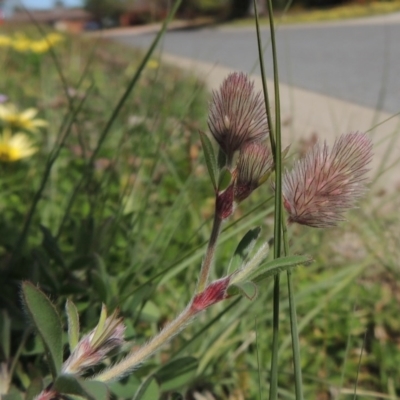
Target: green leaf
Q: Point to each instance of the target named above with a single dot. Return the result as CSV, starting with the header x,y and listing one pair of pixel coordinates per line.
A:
x,y
244,248
225,178
50,244
73,324
35,387
247,289
222,159
5,334
12,396
176,396
80,263
47,323
176,373
209,156
101,288
98,390
100,325
148,390
278,265
91,390
125,389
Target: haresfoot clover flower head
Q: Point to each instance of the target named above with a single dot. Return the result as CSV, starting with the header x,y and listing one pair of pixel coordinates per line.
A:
x,y
326,183
254,166
237,114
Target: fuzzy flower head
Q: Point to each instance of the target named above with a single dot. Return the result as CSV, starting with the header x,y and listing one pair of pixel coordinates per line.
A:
x,y
95,346
254,166
14,147
237,114
326,183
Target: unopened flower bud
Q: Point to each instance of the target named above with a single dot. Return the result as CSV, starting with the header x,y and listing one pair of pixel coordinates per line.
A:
x,y
95,346
324,184
237,114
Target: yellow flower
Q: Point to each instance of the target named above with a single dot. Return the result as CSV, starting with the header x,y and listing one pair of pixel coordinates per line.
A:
x,y
152,64
5,41
54,38
21,43
14,147
24,120
40,46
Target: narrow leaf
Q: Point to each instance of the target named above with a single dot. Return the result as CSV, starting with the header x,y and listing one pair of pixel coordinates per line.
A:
x,y
176,373
148,390
97,390
50,244
244,248
91,390
248,289
126,388
47,323
35,387
5,334
12,396
225,179
278,265
100,326
222,159
73,324
209,156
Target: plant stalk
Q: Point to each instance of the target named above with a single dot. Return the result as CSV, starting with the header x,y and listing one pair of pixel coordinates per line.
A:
x,y
209,257
135,358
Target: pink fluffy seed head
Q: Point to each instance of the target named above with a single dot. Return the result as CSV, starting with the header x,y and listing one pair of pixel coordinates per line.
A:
x,y
326,183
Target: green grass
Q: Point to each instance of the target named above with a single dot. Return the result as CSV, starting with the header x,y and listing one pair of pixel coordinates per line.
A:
x,y
133,235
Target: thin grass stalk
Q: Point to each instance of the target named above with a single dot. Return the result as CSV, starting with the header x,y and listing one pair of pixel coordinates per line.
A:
x,y
273,385
359,366
293,321
295,339
383,122
276,150
264,82
348,344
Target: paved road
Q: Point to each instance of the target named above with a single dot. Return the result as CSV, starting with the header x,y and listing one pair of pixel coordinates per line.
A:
x,y
356,61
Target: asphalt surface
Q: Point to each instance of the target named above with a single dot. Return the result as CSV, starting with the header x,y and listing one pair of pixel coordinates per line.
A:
x,y
358,61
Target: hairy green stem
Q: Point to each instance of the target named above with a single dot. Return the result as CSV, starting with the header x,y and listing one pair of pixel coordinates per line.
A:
x,y
136,357
209,257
